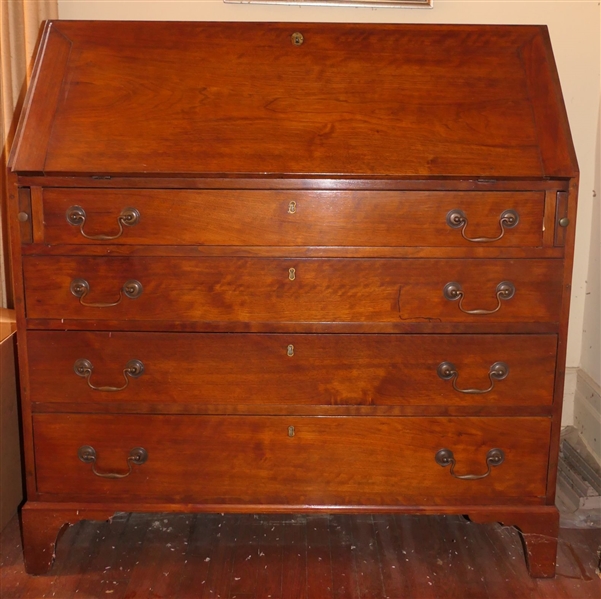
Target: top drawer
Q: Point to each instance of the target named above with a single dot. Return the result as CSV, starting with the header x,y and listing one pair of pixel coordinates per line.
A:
x,y
293,218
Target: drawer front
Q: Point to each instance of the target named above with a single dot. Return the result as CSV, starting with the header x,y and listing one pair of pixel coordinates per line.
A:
x,y
291,460
293,290
292,218
235,369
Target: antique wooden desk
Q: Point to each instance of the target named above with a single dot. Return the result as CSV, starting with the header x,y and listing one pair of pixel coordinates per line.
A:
x,y
292,268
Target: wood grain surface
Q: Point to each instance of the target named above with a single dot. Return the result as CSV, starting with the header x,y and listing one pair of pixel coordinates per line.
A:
x,y
293,218
133,100
365,556
254,459
322,290
242,369
292,197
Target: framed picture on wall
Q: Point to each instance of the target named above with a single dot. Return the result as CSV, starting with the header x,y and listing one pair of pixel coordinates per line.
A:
x,y
363,3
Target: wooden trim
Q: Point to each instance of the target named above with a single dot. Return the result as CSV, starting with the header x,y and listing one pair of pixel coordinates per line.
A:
x,y
562,343
526,505
26,227
41,249
558,156
19,305
290,327
561,211
287,410
549,219
37,214
35,128
331,184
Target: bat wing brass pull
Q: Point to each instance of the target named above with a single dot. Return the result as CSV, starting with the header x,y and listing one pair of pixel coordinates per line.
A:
x,y
80,289
448,372
76,216
454,291
456,219
133,369
137,456
445,457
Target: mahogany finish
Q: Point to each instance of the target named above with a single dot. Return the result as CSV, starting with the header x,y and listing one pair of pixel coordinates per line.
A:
x,y
318,290
277,227
293,218
259,460
292,369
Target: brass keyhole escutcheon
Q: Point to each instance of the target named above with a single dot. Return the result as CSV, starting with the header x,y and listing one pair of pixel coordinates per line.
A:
x,y
290,351
291,431
292,207
297,38
292,274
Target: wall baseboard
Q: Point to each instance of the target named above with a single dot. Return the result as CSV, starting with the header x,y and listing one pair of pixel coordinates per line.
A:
x,y
587,413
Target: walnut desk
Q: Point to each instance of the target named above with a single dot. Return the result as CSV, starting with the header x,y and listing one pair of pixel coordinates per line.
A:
x,y
292,268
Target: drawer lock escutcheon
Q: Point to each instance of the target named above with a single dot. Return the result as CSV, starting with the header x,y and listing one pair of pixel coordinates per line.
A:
x,y
456,219
137,456
133,369
290,351
292,207
445,457
80,289
76,216
453,291
448,372
292,273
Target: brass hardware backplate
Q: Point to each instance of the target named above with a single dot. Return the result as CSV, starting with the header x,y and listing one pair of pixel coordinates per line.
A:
x,y
297,38
292,274
292,207
494,457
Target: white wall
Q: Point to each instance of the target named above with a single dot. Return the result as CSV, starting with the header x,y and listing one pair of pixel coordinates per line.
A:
x,y
574,27
590,359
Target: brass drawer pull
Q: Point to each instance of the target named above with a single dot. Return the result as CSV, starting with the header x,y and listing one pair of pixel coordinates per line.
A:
x,y
137,456
454,291
456,219
76,216
448,372
80,288
445,457
133,369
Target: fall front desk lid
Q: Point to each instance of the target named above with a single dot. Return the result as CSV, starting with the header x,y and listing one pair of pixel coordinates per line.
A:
x,y
294,100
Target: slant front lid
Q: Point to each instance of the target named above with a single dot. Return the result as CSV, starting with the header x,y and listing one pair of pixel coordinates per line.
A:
x,y
254,99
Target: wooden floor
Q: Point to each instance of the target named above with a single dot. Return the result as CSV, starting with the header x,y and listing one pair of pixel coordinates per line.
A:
x,y
342,556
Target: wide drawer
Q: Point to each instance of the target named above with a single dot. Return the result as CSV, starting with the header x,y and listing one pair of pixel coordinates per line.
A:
x,y
293,290
290,460
292,218
234,369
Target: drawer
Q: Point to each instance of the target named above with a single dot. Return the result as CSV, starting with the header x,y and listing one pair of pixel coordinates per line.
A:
x,y
292,218
235,369
290,460
293,290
